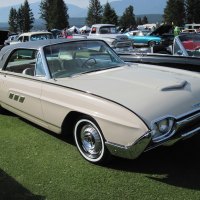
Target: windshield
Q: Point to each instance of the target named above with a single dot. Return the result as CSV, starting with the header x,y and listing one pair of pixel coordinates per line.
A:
x,y
80,57
43,36
145,32
191,43
108,30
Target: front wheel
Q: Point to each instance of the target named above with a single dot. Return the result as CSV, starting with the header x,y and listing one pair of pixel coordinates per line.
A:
x,y
152,44
89,140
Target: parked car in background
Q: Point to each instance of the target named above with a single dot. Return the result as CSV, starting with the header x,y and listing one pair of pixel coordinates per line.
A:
x,y
11,38
141,38
108,33
82,88
187,44
190,31
192,26
33,36
184,53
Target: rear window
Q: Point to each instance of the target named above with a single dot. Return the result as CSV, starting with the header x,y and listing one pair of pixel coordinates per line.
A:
x,y
21,59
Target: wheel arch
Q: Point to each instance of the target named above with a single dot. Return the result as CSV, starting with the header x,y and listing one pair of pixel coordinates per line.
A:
x,y
151,41
70,120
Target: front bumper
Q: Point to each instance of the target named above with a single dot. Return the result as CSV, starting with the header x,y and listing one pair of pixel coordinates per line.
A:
x,y
185,127
132,151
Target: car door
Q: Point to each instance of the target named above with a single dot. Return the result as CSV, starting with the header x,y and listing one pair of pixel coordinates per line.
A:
x,y
21,92
139,38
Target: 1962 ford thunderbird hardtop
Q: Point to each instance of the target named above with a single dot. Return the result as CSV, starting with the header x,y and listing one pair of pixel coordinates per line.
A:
x,y
82,87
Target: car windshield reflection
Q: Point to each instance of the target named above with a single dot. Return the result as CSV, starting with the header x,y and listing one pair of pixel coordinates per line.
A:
x,y
76,58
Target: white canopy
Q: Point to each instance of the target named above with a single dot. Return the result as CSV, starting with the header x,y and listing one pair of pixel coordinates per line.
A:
x,y
85,28
74,28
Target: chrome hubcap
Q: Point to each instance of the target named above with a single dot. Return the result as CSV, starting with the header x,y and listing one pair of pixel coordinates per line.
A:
x,y
90,141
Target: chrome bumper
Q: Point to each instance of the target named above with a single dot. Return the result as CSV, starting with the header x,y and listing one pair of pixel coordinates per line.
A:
x,y
184,128
132,151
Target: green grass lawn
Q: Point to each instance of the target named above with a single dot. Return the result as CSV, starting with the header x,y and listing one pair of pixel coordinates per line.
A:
x,y
35,164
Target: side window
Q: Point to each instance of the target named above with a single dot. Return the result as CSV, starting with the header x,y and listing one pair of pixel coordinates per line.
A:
x,y
134,33
39,71
26,39
22,60
20,39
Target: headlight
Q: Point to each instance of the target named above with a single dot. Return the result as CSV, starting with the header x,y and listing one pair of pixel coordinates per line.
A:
x,y
162,129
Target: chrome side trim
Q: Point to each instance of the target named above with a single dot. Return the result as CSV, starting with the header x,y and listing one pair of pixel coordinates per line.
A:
x,y
187,120
190,133
131,151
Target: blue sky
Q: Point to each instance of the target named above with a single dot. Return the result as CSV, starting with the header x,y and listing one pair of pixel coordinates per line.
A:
x,y
84,3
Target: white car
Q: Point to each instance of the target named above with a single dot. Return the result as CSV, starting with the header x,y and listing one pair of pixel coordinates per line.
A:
x,y
10,39
32,36
108,32
81,88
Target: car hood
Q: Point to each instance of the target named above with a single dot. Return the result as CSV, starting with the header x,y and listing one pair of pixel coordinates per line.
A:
x,y
150,93
162,30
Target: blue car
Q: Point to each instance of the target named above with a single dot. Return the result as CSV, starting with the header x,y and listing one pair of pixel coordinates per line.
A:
x,y
141,38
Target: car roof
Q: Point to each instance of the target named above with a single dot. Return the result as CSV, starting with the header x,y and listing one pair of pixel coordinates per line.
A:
x,y
40,43
5,51
35,33
36,44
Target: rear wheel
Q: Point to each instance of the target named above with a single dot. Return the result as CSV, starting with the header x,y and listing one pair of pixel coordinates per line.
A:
x,y
89,140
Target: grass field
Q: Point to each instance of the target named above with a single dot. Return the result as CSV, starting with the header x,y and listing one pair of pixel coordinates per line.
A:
x,y
35,164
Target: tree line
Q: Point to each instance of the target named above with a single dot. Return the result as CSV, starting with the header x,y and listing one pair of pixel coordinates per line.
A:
x,y
55,15
180,12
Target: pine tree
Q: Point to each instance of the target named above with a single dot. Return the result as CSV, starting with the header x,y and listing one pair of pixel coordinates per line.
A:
x,y
192,11
94,15
145,20
128,18
169,12
20,19
13,25
109,15
28,18
54,13
180,13
174,12
138,21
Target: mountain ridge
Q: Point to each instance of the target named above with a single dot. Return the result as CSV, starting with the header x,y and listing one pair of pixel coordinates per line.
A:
x,y
119,5
80,21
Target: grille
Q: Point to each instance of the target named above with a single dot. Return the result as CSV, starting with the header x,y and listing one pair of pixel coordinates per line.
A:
x,y
189,124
